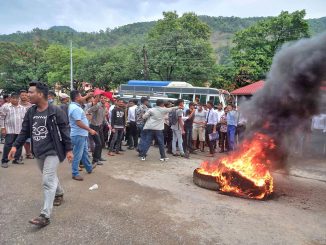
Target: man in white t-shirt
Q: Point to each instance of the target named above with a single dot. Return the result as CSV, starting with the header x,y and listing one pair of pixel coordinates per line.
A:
x,y
220,113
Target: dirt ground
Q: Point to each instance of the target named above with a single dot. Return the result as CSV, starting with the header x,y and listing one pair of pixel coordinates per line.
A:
x,y
157,203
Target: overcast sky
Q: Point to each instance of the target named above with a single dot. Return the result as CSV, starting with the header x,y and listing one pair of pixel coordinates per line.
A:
x,y
95,15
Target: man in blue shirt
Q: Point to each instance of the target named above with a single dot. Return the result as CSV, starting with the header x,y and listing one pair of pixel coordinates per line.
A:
x,y
231,118
79,134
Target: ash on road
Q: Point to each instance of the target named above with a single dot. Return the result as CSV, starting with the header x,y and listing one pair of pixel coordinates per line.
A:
x,y
157,203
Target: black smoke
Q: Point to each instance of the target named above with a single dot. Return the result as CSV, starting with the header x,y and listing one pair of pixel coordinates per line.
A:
x,y
291,94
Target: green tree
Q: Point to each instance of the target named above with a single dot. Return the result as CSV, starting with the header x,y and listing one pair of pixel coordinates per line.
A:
x,y
58,59
110,67
22,63
255,46
179,49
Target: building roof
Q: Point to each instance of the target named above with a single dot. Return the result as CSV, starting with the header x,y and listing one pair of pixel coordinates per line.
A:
x,y
249,89
254,87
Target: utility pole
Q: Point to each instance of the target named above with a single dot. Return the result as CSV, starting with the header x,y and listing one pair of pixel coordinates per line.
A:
x,y
71,68
145,64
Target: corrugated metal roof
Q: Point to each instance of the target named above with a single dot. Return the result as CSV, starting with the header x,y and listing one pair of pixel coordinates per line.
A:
x,y
249,89
254,87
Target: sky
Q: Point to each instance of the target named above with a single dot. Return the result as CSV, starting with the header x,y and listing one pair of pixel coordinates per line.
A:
x,y
95,15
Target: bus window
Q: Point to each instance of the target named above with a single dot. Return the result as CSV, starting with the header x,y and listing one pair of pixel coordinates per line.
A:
x,y
203,99
175,96
216,100
197,98
211,98
187,97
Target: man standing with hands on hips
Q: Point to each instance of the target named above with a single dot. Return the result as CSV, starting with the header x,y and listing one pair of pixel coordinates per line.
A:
x,y
48,128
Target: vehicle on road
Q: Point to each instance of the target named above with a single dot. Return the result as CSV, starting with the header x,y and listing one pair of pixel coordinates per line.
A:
x,y
174,90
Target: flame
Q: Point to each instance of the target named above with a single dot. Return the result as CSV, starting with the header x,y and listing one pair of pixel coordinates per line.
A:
x,y
246,171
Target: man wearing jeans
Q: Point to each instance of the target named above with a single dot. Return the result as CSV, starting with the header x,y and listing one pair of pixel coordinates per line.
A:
x,y
79,135
178,130
48,128
140,121
231,119
187,144
154,128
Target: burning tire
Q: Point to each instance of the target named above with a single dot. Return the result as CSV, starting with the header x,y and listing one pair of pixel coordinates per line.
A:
x,y
205,181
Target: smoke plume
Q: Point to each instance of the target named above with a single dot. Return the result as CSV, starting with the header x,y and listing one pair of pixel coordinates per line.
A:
x,y
291,94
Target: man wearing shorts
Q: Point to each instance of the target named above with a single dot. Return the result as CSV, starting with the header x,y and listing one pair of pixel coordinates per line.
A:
x,y
198,129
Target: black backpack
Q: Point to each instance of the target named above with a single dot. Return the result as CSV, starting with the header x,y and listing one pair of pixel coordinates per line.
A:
x,y
173,119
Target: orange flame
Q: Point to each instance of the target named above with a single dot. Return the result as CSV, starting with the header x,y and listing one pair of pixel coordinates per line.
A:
x,y
246,171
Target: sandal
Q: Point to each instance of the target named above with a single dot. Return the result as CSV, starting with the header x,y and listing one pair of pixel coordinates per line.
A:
x,y
40,221
111,154
58,200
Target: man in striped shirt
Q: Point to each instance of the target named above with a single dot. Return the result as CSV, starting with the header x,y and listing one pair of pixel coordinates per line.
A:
x,y
11,119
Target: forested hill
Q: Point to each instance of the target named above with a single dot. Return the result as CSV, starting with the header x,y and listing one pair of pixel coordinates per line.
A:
x,y
222,30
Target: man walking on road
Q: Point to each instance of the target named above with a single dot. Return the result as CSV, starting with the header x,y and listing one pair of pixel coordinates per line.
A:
x,y
48,128
79,135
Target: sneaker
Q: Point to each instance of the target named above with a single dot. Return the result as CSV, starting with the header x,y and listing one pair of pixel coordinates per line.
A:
x,y
165,159
17,162
4,165
142,158
102,159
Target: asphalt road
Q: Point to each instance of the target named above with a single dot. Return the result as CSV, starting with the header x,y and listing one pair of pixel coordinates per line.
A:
x,y
153,203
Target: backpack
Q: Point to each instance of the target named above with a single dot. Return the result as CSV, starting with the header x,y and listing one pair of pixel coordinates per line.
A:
x,y
173,119
139,115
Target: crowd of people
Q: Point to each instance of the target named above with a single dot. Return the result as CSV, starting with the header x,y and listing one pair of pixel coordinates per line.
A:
x,y
78,128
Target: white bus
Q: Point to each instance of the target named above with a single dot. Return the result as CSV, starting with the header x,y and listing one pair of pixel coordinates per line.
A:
x,y
176,90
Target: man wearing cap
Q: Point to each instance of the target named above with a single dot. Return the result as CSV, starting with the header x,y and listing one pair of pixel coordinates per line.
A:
x,y
64,99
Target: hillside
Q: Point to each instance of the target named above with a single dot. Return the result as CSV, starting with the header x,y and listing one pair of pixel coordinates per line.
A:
x,y
222,28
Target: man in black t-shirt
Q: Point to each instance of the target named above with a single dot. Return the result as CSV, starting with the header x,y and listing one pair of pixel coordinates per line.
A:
x,y
48,128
